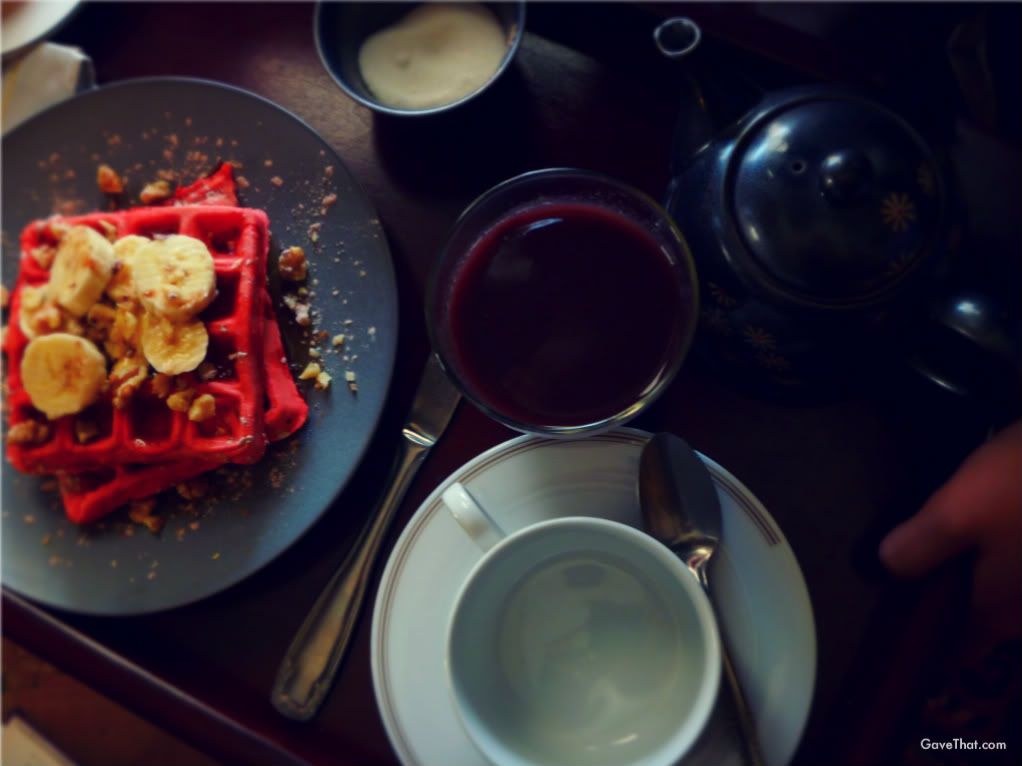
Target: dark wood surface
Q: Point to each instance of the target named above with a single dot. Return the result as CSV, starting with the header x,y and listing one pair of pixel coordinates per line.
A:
x,y
835,473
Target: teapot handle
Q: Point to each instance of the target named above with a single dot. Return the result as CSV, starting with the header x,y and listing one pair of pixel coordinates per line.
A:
x,y
971,348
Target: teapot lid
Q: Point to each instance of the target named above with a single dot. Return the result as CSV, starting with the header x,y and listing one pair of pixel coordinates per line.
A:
x,y
835,198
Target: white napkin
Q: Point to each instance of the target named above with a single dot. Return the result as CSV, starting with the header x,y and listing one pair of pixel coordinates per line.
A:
x,y
48,74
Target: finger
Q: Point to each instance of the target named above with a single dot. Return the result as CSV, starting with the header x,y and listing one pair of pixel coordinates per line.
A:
x,y
927,539
983,495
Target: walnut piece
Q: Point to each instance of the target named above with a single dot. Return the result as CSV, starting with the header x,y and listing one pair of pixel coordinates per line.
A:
x,y
108,181
193,489
142,512
180,401
155,191
202,408
124,333
293,264
109,230
44,255
28,432
85,430
126,377
161,384
312,369
206,371
5,297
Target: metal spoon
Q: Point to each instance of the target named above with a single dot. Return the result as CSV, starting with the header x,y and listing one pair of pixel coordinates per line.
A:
x,y
680,508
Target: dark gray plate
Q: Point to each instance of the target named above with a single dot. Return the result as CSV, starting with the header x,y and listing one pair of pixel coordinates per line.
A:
x,y
254,514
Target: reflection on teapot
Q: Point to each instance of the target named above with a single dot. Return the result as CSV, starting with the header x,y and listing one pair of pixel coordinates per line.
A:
x,y
823,231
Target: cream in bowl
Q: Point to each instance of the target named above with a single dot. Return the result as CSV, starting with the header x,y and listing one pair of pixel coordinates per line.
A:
x,y
435,55
414,59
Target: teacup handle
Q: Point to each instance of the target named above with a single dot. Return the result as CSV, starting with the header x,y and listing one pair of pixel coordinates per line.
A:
x,y
476,522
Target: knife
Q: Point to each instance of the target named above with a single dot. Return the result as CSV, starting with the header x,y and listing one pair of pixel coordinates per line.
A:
x,y
307,672
680,508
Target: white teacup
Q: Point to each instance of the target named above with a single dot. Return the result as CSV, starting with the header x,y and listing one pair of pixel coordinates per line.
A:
x,y
579,641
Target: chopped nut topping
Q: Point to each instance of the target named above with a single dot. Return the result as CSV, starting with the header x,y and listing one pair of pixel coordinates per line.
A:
x,y
44,255
293,264
109,230
323,381
277,181
161,384
202,408
349,376
108,180
312,369
180,401
123,337
142,512
193,489
85,430
100,313
207,371
100,320
58,228
155,191
5,298
338,340
302,314
126,377
28,432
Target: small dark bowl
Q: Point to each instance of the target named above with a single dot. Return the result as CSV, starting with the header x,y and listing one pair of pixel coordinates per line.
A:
x,y
341,28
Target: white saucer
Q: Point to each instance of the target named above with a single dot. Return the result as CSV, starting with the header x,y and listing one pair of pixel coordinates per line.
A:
x,y
767,618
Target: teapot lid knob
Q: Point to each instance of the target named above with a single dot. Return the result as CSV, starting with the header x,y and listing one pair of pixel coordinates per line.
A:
x,y
845,176
834,198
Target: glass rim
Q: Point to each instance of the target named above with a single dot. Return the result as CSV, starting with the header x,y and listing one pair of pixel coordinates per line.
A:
x,y
680,259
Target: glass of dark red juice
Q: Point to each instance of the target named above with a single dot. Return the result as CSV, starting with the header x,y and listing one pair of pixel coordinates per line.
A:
x,y
563,302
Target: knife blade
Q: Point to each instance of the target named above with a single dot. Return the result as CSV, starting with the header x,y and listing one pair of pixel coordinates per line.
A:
x,y
308,669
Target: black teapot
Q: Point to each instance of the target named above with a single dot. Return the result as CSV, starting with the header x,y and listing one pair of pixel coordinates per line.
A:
x,y
824,231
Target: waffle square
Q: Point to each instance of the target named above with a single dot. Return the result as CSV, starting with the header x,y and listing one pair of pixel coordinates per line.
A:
x,y
147,431
90,496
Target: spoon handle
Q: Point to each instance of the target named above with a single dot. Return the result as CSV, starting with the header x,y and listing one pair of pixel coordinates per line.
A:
x,y
746,724
750,737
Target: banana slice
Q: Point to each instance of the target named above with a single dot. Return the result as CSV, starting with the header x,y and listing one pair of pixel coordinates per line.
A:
x,y
121,287
62,373
175,277
173,348
81,269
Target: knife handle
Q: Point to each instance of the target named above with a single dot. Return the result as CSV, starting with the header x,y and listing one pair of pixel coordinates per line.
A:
x,y
307,672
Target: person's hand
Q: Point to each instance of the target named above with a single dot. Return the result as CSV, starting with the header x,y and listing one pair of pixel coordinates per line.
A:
x,y
979,509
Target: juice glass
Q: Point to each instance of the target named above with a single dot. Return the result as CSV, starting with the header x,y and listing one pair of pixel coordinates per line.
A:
x,y
563,302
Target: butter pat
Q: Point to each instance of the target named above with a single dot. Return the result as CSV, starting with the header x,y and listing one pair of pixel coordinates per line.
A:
x,y
435,55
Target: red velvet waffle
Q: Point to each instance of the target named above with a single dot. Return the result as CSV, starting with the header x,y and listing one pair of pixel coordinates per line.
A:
x,y
147,430
91,496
